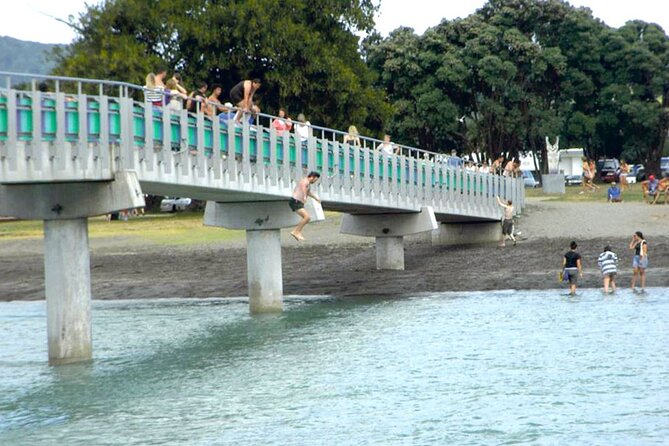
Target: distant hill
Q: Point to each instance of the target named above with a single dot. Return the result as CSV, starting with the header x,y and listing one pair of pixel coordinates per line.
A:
x,y
25,57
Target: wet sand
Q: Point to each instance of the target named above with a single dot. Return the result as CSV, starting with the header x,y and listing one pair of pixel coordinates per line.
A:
x,y
332,264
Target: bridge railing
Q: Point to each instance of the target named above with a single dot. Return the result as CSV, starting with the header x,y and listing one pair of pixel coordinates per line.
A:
x,y
117,127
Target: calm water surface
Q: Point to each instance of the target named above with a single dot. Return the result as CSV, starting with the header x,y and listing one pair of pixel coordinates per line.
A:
x,y
456,368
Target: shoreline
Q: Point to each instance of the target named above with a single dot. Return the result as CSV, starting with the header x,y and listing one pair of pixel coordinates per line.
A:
x,y
329,264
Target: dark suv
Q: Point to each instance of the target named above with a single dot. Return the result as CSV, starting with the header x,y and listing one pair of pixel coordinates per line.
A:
x,y
608,171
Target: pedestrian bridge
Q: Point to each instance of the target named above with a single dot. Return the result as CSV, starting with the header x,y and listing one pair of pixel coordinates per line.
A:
x,y
90,147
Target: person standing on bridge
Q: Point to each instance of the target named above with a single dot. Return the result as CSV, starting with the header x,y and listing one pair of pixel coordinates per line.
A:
x,y
300,194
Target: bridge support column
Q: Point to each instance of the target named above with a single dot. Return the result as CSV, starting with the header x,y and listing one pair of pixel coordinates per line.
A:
x,y
451,234
390,253
389,230
263,263
65,208
67,283
262,221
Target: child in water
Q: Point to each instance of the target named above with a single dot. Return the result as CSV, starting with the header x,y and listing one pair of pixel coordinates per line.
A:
x,y
608,261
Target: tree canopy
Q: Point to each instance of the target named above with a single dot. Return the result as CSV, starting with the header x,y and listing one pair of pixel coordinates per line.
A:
x,y
498,81
306,52
516,71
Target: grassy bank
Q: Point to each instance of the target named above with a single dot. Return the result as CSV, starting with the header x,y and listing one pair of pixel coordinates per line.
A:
x,y
573,194
162,229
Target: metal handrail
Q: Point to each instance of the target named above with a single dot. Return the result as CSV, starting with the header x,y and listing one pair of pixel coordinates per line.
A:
x,y
124,87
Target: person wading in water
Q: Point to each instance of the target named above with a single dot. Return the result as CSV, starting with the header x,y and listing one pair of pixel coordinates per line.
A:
x,y
572,267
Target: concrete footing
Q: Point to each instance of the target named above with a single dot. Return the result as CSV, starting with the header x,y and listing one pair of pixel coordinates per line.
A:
x,y
390,253
467,233
389,230
262,221
553,183
65,208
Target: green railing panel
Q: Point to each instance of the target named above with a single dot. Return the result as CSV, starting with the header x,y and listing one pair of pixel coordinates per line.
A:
x,y
4,123
192,132
138,130
114,122
24,119
71,121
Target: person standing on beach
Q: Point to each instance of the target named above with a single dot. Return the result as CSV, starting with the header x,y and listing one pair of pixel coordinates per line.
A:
x,y
507,222
640,260
572,268
608,261
300,194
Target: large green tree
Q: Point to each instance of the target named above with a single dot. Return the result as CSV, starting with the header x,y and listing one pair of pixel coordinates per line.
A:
x,y
306,51
516,71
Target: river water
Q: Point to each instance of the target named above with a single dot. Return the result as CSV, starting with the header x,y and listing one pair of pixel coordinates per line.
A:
x,y
508,367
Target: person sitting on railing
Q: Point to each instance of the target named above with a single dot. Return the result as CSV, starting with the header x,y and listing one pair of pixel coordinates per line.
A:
x,y
242,96
153,93
196,98
387,147
352,137
496,166
511,168
176,96
303,128
214,105
282,123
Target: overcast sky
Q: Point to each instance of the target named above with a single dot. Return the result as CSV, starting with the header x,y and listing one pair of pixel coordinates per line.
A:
x,y
34,19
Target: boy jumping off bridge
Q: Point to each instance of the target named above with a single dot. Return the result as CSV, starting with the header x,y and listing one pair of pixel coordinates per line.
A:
x,y
299,198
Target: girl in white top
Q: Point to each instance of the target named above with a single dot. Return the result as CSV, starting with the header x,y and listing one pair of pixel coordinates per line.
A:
x,y
176,96
302,127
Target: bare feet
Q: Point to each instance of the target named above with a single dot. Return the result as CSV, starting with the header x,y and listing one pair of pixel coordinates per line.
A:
x,y
297,237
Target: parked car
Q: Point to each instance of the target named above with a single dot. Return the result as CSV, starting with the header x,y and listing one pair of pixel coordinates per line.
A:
x,y
664,166
609,169
638,172
168,204
528,178
573,180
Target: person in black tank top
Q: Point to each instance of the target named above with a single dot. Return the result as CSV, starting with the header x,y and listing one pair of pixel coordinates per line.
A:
x,y
572,269
242,96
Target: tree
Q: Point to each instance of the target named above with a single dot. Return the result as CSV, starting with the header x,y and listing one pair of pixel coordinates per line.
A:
x,y
305,51
516,71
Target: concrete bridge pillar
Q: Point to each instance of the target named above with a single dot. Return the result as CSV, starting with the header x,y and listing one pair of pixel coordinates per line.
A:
x,y
389,230
262,221
65,208
263,264
67,284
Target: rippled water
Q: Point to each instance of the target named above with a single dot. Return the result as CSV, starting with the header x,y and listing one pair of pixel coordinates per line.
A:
x,y
455,368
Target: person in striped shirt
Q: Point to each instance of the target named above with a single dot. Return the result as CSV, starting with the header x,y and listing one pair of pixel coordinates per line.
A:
x,y
608,261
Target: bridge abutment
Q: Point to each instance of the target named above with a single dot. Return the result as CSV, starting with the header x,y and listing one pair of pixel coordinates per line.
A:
x,y
389,231
65,208
262,221
451,234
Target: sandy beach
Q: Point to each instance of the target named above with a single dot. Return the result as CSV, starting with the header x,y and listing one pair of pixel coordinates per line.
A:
x,y
329,263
